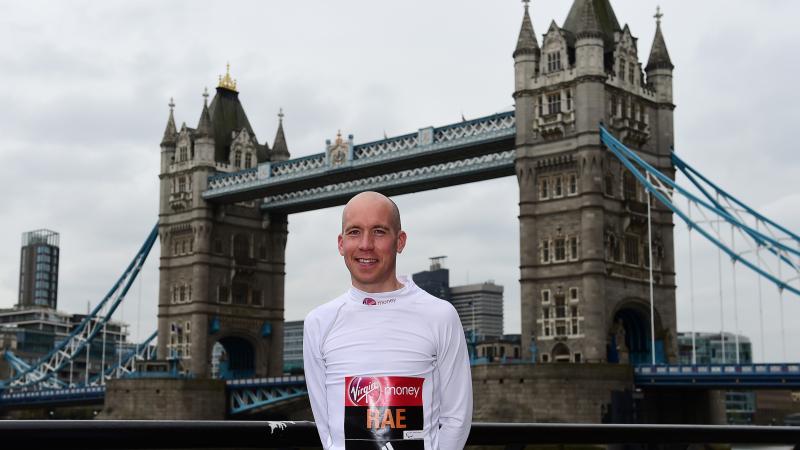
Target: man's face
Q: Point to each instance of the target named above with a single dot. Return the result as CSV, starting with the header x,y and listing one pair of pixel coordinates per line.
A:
x,y
369,244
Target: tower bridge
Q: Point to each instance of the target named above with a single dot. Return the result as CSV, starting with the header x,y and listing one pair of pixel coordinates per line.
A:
x,y
597,266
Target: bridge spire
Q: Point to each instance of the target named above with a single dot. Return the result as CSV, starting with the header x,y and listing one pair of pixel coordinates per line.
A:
x,y
659,56
170,132
204,128
526,43
280,151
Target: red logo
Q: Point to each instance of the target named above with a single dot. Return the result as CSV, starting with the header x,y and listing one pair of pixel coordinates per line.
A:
x,y
364,391
369,301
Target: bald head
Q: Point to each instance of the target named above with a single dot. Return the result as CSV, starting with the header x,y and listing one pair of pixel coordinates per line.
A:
x,y
373,200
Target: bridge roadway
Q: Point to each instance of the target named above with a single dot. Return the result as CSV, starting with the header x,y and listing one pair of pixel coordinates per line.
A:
x,y
246,395
431,158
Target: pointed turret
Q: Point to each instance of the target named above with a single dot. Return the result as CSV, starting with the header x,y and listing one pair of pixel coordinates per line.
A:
x,y
280,151
170,132
603,14
204,129
659,56
588,26
526,43
659,66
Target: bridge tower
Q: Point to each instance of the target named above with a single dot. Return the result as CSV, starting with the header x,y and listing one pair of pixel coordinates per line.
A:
x,y
583,220
222,266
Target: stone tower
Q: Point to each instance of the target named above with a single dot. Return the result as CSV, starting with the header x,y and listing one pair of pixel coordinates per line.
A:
x,y
222,266
583,219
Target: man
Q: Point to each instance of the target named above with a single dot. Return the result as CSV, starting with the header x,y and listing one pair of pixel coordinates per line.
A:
x,y
386,363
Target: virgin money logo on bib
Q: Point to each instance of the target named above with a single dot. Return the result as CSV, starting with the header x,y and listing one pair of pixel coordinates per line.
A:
x,y
369,301
364,391
383,413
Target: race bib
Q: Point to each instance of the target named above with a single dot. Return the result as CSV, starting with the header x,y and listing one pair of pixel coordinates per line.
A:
x,y
383,413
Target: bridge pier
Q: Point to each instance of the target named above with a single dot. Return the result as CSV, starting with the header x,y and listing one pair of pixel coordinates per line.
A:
x,y
164,399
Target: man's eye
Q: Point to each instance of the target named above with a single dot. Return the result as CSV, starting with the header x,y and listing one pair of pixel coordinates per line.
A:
x,y
379,232
353,233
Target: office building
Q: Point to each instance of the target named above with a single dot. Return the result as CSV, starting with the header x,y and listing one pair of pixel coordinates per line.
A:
x,y
38,269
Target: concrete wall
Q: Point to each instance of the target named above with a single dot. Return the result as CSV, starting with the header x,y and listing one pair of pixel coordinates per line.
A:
x,y
164,399
546,392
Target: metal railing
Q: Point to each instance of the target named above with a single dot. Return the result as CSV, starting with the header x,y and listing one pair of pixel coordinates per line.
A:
x,y
99,434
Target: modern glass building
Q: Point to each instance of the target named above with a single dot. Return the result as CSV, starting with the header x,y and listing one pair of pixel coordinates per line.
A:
x,y
38,269
292,346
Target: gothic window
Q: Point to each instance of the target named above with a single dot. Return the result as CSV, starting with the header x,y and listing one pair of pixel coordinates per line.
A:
x,y
560,253
237,161
554,103
632,249
545,251
628,186
239,293
631,78
183,153
222,294
546,296
569,99
183,247
573,184
553,61
577,355
540,105
181,184
248,161
182,295
543,191
546,313
561,308
622,70
573,248
241,248
573,294
558,188
175,248
609,188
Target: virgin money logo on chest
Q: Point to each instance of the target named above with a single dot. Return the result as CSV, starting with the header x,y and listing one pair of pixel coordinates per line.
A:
x,y
364,391
372,302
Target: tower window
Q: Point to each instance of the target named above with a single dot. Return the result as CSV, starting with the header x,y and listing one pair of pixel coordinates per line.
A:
x,y
631,77
237,159
543,191
553,61
560,250
558,189
573,184
545,251
569,100
573,296
629,186
248,161
622,70
546,297
573,248
632,250
540,106
554,103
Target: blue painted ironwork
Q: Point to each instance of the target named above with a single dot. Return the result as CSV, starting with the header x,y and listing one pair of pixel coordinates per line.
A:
x,y
145,351
427,174
246,395
84,394
722,376
664,189
427,141
43,373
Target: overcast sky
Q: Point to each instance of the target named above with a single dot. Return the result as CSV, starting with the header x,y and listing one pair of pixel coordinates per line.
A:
x,y
85,87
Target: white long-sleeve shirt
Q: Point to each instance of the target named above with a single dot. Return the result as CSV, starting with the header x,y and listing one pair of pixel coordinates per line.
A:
x,y
388,371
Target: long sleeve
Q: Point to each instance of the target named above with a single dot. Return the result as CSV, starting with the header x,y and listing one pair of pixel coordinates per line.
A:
x,y
314,367
455,386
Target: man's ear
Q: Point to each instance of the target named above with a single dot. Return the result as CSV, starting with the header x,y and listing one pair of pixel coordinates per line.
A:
x,y
401,241
340,244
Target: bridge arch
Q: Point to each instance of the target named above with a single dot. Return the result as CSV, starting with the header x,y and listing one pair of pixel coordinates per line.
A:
x,y
561,353
629,338
233,357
